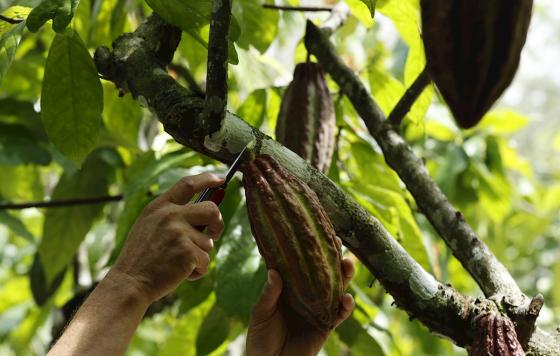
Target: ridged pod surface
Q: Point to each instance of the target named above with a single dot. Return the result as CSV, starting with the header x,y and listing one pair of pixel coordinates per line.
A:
x,y
473,50
495,336
306,122
295,237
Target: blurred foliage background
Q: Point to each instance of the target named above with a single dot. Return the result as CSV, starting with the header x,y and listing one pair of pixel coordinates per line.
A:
x,y
503,175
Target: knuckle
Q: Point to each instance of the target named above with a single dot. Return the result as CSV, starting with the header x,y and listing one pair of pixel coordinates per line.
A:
x,y
187,183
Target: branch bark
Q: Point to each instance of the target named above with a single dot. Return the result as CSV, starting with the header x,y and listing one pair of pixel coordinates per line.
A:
x,y
133,64
217,73
492,277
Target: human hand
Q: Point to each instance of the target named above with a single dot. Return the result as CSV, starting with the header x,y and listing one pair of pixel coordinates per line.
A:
x,y
274,331
163,247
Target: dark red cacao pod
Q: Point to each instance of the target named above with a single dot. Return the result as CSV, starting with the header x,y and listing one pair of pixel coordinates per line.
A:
x,y
295,237
472,51
495,336
306,122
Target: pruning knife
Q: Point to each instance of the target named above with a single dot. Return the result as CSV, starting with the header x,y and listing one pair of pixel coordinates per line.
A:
x,y
216,194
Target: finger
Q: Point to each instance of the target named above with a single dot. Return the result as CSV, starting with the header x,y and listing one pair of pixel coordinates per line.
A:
x,y
268,301
202,262
205,214
203,241
346,307
183,191
347,271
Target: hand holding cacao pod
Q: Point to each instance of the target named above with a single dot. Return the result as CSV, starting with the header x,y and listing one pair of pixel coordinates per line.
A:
x,y
472,51
306,122
295,236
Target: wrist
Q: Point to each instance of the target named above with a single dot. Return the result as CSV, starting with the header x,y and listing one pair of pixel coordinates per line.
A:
x,y
127,288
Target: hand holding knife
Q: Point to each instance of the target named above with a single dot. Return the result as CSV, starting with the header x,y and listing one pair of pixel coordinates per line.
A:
x,y
216,194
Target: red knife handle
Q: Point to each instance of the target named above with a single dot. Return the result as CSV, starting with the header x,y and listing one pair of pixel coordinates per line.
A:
x,y
217,196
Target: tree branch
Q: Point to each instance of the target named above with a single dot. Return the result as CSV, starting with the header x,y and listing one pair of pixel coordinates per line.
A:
x,y
61,203
133,64
492,277
438,306
339,14
216,77
298,8
10,20
409,98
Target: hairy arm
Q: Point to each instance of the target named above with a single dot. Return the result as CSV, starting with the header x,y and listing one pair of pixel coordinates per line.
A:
x,y
163,249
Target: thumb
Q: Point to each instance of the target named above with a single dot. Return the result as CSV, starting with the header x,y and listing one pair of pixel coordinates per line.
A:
x,y
268,301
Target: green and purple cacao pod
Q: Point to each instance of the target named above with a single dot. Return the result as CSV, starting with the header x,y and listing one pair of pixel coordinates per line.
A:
x,y
306,121
473,50
495,336
295,237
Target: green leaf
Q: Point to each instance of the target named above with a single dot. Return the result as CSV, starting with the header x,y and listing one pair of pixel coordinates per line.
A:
x,y
16,225
182,339
254,109
362,11
213,331
9,42
72,97
20,183
258,26
187,15
353,334
147,169
60,11
503,122
41,287
65,228
192,293
122,116
133,206
19,146
239,273
405,15
371,6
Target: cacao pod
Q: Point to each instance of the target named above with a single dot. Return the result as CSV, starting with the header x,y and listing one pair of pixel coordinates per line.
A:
x,y
295,237
306,121
495,336
472,51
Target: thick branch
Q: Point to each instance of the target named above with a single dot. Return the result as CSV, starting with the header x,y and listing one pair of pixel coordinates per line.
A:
x,y
492,277
216,77
409,98
439,307
61,203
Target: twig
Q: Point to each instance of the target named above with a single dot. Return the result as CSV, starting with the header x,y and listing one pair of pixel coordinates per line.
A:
x,y
10,20
298,8
61,203
409,98
216,78
187,75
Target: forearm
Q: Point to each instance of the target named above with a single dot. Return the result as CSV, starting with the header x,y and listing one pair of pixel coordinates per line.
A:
x,y
106,321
